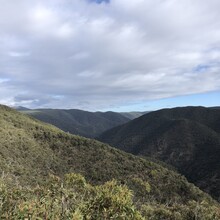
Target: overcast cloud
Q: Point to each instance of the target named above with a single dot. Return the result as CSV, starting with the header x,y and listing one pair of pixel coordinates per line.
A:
x,y
96,55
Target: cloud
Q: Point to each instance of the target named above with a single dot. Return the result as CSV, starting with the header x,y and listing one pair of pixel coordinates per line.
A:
x,y
18,54
80,54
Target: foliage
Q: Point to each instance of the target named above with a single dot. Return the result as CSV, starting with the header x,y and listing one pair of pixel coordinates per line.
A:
x,y
73,198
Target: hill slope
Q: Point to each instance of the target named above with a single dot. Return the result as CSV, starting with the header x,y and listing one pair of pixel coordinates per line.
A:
x,y
84,123
187,138
31,149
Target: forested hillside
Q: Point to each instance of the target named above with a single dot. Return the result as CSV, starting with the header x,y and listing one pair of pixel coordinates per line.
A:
x,y
79,122
31,151
187,138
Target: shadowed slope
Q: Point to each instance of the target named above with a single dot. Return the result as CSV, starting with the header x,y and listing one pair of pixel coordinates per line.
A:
x,y
187,138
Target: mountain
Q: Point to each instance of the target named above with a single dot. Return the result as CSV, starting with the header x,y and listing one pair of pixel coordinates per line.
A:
x,y
187,138
21,108
79,122
215,107
133,115
30,150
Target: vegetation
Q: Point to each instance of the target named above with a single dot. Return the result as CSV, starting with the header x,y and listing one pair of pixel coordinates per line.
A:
x,y
186,138
109,184
73,198
84,123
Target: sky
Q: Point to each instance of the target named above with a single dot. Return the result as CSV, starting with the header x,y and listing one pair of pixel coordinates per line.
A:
x,y
100,55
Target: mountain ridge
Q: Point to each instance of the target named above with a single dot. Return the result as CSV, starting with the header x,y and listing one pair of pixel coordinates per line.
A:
x,y
79,122
187,138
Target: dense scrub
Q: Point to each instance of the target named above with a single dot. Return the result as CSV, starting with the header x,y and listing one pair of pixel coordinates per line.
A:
x,y
73,198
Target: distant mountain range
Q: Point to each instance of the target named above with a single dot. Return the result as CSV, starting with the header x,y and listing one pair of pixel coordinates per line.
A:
x,y
84,123
133,115
30,150
188,138
79,122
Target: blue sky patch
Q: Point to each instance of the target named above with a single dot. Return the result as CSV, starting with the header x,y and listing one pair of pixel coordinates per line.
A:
x,y
201,68
100,1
